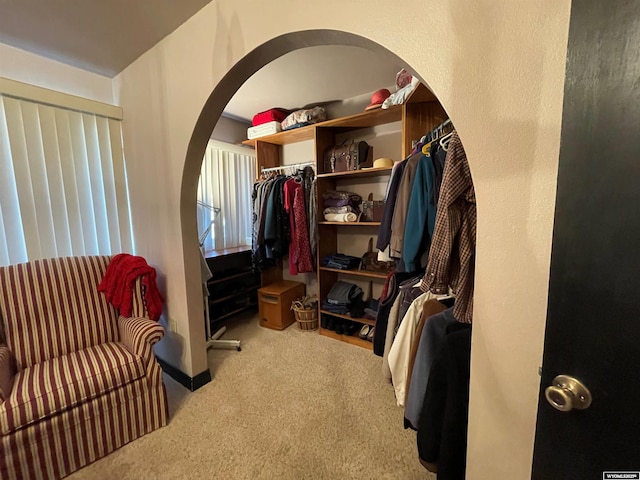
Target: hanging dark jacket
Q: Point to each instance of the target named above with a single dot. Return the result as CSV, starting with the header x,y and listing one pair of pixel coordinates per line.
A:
x,y
442,431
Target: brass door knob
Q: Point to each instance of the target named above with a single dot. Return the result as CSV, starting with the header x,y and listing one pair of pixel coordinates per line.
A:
x,y
568,393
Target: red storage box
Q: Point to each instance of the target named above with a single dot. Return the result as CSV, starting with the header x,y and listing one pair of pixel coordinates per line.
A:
x,y
273,115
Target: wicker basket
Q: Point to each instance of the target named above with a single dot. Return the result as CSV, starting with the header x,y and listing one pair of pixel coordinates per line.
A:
x,y
307,318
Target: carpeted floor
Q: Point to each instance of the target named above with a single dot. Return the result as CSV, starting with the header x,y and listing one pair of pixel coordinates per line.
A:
x,y
292,405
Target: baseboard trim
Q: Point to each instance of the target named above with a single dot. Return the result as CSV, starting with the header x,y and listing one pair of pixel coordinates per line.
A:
x,y
190,383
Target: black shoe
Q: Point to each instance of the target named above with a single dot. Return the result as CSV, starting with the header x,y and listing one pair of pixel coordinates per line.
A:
x,y
323,321
351,328
331,323
340,325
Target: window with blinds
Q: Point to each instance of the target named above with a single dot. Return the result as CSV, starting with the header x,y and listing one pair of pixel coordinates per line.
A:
x,y
226,182
63,185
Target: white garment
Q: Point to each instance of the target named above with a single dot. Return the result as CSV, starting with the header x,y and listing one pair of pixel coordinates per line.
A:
x,y
400,352
391,327
383,255
401,95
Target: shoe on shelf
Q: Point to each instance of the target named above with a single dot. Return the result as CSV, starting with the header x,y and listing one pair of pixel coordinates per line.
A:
x,y
351,328
340,324
364,331
324,321
331,323
371,333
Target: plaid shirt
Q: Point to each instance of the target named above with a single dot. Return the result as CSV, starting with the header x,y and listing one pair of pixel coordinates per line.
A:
x,y
453,246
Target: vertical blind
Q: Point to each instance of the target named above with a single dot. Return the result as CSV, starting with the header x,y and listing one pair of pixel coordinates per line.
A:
x,y
63,187
226,182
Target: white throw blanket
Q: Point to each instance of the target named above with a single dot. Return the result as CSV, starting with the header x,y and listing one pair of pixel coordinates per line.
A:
x,y
341,217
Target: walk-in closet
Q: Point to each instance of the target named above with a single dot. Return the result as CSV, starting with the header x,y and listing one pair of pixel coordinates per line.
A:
x,y
358,219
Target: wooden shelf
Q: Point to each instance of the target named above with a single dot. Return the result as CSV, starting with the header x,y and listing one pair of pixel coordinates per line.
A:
x,y
358,273
353,174
361,224
226,251
420,113
352,319
233,312
368,119
226,279
353,340
233,295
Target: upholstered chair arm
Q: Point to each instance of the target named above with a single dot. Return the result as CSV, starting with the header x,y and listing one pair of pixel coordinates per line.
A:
x,y
138,335
7,371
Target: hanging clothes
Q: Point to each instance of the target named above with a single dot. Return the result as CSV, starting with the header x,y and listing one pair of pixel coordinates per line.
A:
x,y
396,314
281,225
433,333
442,431
400,351
390,293
421,216
399,220
312,216
452,254
302,251
384,233
430,308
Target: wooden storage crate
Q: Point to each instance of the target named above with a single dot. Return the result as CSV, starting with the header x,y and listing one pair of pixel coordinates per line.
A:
x,y
274,303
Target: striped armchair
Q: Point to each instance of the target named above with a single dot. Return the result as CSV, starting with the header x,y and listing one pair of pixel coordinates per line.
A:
x,y
77,380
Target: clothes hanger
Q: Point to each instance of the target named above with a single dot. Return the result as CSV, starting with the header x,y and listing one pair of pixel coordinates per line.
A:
x,y
444,141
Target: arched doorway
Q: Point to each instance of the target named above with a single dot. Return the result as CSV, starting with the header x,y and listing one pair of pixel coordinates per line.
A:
x,y
207,119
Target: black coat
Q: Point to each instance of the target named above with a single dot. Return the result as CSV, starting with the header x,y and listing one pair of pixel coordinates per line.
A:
x,y
442,431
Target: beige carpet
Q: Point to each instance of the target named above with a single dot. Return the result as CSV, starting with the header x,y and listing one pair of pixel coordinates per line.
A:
x,y
292,405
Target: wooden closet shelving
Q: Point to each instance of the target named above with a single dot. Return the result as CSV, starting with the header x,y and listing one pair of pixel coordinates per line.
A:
x,y
352,224
418,115
358,273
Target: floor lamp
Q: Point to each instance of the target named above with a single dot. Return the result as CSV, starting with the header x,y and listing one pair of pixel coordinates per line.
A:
x,y
213,341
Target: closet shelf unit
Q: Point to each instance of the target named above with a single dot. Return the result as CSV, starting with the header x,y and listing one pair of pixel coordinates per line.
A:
x,y
347,317
419,114
352,224
357,273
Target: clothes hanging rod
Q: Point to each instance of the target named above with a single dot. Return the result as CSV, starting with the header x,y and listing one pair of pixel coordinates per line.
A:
x,y
294,165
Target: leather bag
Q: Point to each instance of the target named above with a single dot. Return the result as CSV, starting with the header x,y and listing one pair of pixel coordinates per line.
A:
x,y
370,261
351,155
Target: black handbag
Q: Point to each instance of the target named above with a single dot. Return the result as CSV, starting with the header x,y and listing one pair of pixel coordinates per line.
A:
x,y
351,155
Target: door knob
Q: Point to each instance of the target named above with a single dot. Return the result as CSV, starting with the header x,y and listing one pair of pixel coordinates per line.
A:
x,y
568,393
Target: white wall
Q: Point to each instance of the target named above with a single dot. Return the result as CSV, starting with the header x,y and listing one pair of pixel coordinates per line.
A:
x,y
30,68
230,130
498,69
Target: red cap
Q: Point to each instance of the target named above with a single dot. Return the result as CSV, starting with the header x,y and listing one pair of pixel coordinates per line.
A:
x,y
378,97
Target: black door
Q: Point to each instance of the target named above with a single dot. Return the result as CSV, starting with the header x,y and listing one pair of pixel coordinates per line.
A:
x,y
593,321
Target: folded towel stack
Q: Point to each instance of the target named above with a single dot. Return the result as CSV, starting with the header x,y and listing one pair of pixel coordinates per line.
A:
x,y
341,217
341,206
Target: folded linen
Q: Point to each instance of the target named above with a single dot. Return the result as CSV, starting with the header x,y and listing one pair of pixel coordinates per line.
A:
x,y
341,217
341,194
342,266
341,261
344,293
345,209
340,202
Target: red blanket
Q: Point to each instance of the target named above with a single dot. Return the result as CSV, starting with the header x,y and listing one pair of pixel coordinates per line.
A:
x,y
119,282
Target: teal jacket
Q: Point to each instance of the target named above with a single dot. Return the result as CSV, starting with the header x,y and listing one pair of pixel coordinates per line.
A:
x,y
421,216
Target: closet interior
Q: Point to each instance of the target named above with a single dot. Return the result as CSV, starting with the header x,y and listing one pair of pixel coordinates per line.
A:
x,y
385,248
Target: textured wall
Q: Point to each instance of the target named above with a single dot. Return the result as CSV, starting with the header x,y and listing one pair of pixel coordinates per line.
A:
x,y
27,67
498,69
